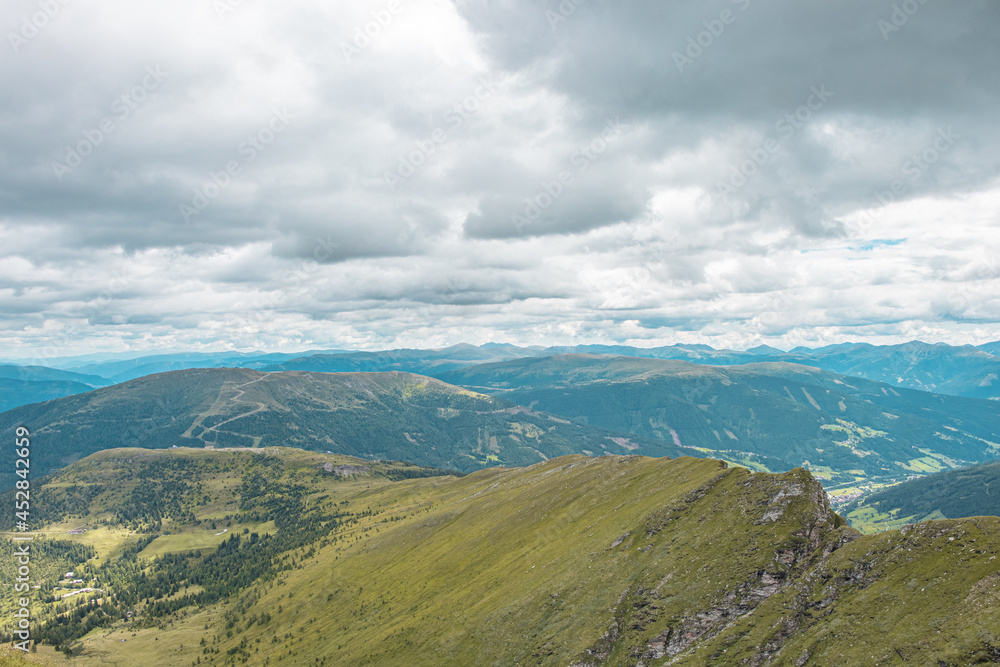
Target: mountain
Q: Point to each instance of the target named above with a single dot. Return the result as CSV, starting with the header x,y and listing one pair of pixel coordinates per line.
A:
x,y
765,351
284,557
944,369
772,416
21,385
957,371
45,374
392,415
992,348
122,370
15,393
952,494
939,368
423,362
699,354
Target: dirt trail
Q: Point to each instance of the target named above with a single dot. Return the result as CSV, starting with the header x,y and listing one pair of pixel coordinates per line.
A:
x,y
222,400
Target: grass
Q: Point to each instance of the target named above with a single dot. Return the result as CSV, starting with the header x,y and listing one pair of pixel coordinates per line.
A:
x,y
128,647
915,605
579,557
191,539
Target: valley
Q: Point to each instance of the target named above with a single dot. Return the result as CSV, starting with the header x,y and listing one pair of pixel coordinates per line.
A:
x,y
557,509
854,434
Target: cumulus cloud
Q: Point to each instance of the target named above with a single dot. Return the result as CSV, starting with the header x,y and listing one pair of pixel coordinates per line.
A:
x,y
378,173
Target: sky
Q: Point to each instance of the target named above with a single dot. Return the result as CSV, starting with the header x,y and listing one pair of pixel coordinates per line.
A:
x,y
245,175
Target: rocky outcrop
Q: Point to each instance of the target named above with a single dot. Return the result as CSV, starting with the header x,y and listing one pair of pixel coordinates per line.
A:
x,y
796,498
346,470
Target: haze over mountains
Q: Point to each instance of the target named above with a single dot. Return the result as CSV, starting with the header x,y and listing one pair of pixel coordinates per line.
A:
x,y
952,370
21,385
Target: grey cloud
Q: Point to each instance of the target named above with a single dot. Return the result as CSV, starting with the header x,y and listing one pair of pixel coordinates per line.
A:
x,y
641,243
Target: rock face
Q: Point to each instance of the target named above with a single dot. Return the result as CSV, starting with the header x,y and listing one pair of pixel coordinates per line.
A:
x,y
795,498
346,470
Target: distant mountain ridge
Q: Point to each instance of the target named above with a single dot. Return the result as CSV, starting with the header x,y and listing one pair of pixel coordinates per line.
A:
x,y
423,362
395,416
767,415
22,385
940,368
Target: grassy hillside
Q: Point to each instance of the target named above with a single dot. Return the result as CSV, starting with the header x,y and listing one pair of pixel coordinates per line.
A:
x,y
972,491
395,416
772,416
617,560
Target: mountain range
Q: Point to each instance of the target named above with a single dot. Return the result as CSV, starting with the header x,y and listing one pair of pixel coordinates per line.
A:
x,y
953,370
939,368
767,416
397,416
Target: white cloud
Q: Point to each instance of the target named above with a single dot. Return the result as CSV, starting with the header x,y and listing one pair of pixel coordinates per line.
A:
x,y
305,244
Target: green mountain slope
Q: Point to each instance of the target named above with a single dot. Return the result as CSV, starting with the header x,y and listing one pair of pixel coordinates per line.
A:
x,y
377,416
972,491
771,415
617,560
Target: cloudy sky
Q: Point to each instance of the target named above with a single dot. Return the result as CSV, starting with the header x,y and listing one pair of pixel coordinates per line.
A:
x,y
215,174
